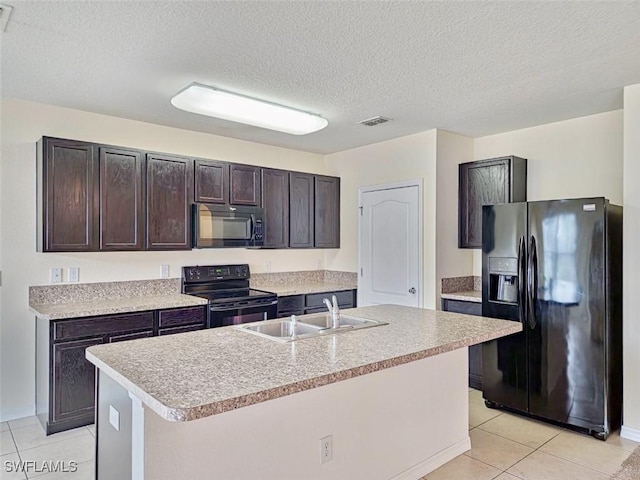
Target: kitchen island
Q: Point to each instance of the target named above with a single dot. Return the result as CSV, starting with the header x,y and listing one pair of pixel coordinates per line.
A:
x,y
226,404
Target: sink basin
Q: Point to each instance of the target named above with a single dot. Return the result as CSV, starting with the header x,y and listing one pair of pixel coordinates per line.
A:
x,y
306,327
323,320
281,330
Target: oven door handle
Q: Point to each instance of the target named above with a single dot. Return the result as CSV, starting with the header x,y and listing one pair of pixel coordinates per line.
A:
x,y
236,307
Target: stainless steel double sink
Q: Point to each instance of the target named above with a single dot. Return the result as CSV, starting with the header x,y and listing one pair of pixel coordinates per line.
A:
x,y
285,330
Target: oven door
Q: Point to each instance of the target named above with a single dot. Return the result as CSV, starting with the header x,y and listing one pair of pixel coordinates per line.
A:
x,y
224,316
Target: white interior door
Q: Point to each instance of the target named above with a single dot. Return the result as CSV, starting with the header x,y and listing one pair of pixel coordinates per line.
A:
x,y
390,251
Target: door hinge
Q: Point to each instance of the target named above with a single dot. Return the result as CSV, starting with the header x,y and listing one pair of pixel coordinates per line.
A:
x,y
361,274
360,210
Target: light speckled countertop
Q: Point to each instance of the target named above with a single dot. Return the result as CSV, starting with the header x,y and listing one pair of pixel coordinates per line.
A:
x,y
466,296
198,374
59,311
304,288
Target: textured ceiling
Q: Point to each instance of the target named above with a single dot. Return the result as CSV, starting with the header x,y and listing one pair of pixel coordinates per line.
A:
x,y
474,68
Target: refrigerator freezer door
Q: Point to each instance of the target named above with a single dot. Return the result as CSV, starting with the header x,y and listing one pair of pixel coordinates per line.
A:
x,y
566,366
504,374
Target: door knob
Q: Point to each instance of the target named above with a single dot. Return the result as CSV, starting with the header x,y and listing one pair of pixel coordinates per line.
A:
x,y
412,291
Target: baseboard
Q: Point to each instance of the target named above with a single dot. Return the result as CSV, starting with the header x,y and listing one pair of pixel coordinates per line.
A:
x,y
430,464
630,433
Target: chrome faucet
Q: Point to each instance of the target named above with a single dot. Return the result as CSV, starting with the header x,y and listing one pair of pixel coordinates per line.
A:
x,y
334,311
294,324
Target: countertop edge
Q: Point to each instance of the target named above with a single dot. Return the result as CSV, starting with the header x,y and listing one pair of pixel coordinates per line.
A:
x,y
463,296
201,411
84,309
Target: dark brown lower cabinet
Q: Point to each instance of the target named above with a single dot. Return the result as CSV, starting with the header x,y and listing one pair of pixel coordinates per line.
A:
x,y
65,379
475,351
73,382
313,302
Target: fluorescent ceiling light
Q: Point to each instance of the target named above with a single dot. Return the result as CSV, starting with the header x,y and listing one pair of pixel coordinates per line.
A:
x,y
205,100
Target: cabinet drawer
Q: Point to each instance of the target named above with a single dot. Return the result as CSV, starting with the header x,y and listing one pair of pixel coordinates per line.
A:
x,y
130,336
292,302
188,328
94,326
309,310
345,298
181,316
458,306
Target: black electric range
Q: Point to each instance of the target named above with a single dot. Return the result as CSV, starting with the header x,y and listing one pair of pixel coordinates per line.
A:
x,y
231,300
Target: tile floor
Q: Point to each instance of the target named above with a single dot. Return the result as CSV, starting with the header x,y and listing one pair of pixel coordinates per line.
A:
x,y
510,447
24,440
504,447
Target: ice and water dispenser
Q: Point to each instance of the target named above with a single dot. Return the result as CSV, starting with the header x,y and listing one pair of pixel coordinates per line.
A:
x,y
503,279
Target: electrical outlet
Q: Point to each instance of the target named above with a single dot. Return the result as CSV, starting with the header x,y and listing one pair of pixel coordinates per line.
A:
x,y
164,271
267,266
318,264
326,449
114,417
73,274
56,275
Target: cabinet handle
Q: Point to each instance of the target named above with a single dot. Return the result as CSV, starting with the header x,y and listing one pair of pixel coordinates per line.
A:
x,y
412,291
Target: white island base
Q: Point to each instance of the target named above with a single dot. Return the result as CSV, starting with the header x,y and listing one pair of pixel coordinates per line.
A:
x,y
398,423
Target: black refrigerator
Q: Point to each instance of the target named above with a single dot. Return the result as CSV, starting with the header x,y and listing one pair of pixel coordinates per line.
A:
x,y
556,267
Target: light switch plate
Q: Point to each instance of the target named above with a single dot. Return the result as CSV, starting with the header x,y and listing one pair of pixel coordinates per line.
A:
x,y
114,418
164,271
73,274
56,275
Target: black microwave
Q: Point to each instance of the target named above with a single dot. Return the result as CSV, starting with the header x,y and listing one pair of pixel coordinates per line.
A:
x,y
217,226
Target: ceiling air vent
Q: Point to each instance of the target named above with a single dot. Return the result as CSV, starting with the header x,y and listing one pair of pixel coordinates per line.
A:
x,y
373,121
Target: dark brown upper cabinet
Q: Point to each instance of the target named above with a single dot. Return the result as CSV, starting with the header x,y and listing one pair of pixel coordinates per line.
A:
x,y
245,185
301,223
327,212
94,197
211,181
275,201
121,213
169,198
67,185
487,182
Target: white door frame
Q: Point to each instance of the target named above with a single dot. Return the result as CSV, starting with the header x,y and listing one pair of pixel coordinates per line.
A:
x,y
390,186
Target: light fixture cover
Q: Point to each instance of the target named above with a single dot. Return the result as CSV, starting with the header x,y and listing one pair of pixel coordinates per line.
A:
x,y
205,100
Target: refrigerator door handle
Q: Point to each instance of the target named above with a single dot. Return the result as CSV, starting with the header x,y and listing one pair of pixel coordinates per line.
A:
x,y
532,281
522,272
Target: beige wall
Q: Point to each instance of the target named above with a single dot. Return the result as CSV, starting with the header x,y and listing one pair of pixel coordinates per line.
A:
x,y
390,424
23,123
451,261
631,265
575,158
408,158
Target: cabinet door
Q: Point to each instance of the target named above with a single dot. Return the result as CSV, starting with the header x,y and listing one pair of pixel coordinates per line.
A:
x,y
73,380
121,214
169,198
245,185
481,183
327,212
69,204
275,201
301,210
212,181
